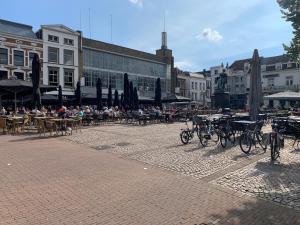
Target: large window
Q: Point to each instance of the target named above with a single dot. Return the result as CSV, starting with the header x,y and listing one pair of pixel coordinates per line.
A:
x,y
108,61
53,38
68,57
289,81
18,58
270,82
68,78
53,76
68,41
53,55
270,68
3,75
19,75
3,56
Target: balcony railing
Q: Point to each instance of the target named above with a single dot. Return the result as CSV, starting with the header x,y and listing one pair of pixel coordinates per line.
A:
x,y
281,88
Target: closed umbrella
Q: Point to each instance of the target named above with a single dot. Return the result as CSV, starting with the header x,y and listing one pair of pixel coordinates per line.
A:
x,y
36,76
99,94
255,98
60,97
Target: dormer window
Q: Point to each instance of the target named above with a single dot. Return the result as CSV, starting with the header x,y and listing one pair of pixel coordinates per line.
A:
x,y
271,68
68,41
53,38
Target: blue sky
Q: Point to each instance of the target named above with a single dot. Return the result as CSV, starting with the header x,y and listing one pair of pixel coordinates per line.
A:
x,y
201,33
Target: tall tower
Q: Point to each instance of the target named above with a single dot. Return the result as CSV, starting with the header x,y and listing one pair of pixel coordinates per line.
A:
x,y
164,44
166,54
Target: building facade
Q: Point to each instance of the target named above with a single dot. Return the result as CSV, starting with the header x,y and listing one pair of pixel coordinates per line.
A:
x,y
278,74
18,44
110,62
61,48
196,86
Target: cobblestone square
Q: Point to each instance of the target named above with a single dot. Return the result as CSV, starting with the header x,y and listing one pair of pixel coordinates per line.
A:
x,y
125,174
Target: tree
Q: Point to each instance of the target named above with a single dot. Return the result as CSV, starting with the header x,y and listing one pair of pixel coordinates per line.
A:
x,y
291,13
116,99
157,97
109,97
131,101
99,94
78,94
126,90
135,99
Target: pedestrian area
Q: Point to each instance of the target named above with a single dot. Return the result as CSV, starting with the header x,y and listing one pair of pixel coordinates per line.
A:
x,y
121,174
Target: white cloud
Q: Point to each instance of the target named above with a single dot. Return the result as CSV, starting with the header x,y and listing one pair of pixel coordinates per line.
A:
x,y
137,2
184,65
210,35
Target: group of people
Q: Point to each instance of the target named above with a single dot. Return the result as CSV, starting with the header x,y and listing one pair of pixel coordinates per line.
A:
x,y
65,112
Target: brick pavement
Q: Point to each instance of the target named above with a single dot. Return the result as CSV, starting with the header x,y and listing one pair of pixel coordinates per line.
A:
x,y
51,181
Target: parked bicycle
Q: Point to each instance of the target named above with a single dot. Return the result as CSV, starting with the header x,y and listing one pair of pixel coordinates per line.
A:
x,y
209,133
226,132
187,134
251,136
276,141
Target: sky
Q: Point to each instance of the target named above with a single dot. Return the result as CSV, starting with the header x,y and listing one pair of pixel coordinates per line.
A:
x,y
201,33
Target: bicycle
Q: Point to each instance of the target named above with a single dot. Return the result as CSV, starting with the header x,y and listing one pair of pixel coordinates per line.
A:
x,y
276,141
187,134
252,136
226,132
209,133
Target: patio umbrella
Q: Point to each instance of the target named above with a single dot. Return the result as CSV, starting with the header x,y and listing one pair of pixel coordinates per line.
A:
x,y
60,97
36,75
15,87
255,98
99,94
78,94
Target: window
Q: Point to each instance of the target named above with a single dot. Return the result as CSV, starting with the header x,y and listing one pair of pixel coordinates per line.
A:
x,y
270,82
68,78
68,41
53,55
216,71
289,81
284,66
196,96
53,76
68,57
196,85
31,55
3,75
192,85
18,58
19,75
270,68
3,56
53,38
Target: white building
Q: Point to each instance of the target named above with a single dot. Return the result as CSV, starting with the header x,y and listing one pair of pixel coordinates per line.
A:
x,y
278,74
196,86
61,47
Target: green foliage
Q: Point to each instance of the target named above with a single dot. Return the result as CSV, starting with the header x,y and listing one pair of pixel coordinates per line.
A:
x,y
291,13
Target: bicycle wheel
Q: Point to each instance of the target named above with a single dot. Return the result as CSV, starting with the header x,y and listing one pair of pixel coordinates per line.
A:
x,y
260,141
245,143
185,137
231,137
214,136
223,139
275,148
203,139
